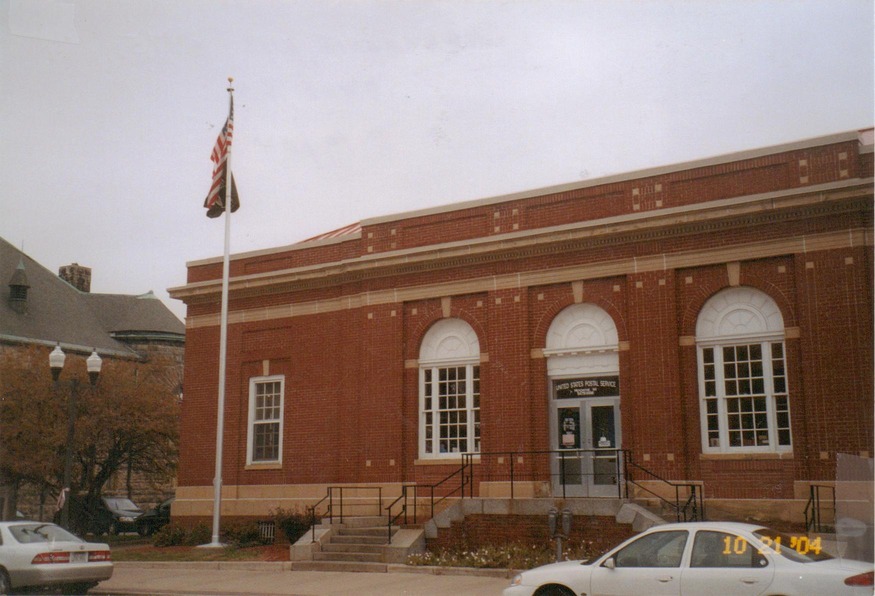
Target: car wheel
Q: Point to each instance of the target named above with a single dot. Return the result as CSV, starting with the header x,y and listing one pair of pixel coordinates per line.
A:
x,y
113,529
144,529
554,591
5,584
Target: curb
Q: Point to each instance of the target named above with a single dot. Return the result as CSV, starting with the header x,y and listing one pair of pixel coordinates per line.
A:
x,y
279,566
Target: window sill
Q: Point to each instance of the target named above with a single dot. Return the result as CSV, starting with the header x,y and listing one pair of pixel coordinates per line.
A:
x,y
270,466
446,461
745,456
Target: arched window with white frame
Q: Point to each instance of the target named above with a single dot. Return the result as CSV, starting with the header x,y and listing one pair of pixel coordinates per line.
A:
x,y
449,390
743,391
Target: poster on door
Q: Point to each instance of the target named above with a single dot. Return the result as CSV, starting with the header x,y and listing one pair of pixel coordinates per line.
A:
x,y
569,428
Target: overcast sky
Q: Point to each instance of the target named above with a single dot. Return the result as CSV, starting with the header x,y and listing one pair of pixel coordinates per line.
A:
x,y
348,110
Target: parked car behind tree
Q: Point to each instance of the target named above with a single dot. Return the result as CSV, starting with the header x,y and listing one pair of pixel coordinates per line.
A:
x,y
102,515
154,519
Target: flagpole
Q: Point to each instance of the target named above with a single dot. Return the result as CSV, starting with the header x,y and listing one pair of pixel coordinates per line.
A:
x,y
223,341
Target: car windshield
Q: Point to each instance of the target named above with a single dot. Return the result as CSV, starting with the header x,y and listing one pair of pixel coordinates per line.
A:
x,y
31,533
796,547
121,504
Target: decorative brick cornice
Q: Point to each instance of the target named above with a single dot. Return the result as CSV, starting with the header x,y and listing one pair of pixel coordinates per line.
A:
x,y
707,218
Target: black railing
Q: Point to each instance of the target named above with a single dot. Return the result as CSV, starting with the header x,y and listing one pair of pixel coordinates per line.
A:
x,y
335,506
515,467
565,468
689,500
436,493
814,519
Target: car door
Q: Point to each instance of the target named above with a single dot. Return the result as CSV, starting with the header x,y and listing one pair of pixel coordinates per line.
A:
x,y
725,563
649,565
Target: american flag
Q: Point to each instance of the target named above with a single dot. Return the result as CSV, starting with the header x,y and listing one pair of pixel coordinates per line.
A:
x,y
215,201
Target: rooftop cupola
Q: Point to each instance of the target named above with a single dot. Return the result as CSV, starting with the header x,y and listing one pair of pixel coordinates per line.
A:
x,y
18,287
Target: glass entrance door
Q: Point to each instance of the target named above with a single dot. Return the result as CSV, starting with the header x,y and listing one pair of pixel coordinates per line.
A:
x,y
585,437
603,419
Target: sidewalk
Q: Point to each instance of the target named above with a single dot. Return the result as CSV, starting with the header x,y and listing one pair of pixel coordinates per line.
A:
x,y
260,579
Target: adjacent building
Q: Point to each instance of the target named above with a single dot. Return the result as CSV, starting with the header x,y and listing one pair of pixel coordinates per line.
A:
x,y
45,309
709,321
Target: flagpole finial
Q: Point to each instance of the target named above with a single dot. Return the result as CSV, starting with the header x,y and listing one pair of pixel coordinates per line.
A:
x,y
230,84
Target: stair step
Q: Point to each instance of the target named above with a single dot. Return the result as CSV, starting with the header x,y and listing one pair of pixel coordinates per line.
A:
x,y
360,539
355,522
339,566
373,531
350,557
334,547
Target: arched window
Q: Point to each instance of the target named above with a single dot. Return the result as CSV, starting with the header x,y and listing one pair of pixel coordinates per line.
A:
x,y
449,390
743,391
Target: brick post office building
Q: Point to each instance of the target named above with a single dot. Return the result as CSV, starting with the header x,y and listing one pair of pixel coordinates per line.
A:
x,y
709,321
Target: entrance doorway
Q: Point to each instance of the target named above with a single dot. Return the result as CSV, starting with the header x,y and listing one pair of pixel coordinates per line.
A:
x,y
585,435
585,438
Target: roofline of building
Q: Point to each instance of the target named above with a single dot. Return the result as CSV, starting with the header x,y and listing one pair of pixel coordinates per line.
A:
x,y
68,347
863,136
627,176
775,199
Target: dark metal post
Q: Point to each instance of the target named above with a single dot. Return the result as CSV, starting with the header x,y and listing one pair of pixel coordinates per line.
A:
x,y
511,476
68,454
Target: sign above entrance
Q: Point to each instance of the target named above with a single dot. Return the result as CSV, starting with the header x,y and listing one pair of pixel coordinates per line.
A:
x,y
589,387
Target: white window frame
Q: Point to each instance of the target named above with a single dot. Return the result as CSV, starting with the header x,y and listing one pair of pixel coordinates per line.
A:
x,y
471,425
450,343
732,319
252,422
722,398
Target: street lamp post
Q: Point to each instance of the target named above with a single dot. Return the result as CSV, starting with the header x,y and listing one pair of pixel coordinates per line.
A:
x,y
56,362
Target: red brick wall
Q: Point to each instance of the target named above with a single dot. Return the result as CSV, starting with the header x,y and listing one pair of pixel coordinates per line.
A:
x,y
352,403
482,530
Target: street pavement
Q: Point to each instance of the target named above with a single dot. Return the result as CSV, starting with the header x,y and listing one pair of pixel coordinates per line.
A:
x,y
262,579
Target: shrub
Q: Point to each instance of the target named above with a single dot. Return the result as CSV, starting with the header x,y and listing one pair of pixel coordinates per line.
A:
x,y
170,535
243,535
175,535
291,523
200,534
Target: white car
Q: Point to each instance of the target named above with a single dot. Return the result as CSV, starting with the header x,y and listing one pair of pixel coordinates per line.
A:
x,y
707,558
43,554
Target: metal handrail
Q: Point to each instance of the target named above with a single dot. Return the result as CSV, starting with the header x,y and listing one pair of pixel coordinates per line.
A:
x,y
813,509
693,509
330,512
407,489
312,510
563,455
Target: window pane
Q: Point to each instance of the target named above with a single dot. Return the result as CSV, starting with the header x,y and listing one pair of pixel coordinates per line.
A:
x,y
266,446
719,549
660,549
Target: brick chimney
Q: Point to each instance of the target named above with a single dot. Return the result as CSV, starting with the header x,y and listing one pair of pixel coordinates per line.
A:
x,y
77,276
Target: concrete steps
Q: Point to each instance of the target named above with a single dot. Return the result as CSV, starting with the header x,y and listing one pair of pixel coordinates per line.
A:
x,y
357,543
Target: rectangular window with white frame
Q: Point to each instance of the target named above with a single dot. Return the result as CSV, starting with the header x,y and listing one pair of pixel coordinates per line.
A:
x,y
266,405
744,397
